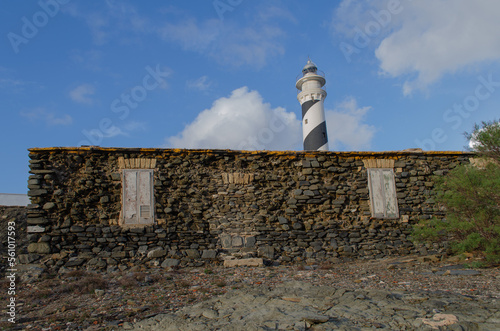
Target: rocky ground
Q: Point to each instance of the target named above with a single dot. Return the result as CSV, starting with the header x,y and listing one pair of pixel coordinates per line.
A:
x,y
397,294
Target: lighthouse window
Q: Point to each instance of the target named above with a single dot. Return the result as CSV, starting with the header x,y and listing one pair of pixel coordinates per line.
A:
x,y
305,121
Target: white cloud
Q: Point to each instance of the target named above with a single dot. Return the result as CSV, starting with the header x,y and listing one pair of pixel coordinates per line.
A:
x,y
192,35
82,93
440,37
241,121
50,118
345,126
244,121
422,41
229,42
201,84
105,25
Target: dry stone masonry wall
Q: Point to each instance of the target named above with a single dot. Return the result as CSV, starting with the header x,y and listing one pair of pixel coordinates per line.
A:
x,y
211,205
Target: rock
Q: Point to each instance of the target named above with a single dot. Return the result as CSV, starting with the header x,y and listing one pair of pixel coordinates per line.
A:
x,y
37,192
28,258
74,262
267,252
439,320
316,319
192,253
30,273
36,229
252,262
76,229
49,205
157,252
209,254
168,263
98,292
210,314
39,248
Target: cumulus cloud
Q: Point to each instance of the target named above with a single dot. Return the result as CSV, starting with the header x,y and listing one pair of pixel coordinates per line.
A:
x,y
241,121
82,94
50,118
440,37
424,40
345,127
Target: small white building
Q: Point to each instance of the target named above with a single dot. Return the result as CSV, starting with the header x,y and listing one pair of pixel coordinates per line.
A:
x,y
7,199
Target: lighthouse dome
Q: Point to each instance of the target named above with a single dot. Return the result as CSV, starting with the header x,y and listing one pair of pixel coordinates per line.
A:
x,y
309,67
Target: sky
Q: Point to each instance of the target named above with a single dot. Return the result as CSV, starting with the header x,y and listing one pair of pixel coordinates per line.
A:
x,y
221,74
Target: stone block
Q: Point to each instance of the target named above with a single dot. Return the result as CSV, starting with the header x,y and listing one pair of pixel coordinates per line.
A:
x,y
192,254
209,254
74,262
226,241
157,252
282,220
39,248
237,241
119,255
76,229
37,192
267,252
35,229
169,263
250,242
253,262
49,205
37,221
27,258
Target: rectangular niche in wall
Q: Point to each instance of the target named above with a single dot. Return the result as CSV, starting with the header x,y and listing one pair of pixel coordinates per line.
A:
x,y
137,197
383,200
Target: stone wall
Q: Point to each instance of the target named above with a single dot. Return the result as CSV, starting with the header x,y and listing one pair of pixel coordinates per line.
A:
x,y
286,207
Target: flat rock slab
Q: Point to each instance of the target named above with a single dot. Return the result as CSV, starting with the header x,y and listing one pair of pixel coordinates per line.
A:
x,y
254,262
298,305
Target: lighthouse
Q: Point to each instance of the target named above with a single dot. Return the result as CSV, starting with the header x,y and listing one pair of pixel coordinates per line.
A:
x,y
312,97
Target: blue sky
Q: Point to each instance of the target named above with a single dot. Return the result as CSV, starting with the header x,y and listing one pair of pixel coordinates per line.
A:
x,y
221,74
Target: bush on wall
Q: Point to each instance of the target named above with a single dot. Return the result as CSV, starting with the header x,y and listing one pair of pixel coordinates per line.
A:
x,y
470,194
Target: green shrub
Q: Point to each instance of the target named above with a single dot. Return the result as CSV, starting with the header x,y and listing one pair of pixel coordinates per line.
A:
x,y
470,195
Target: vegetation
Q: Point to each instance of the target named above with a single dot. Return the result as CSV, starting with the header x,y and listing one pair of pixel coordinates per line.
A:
x,y
470,195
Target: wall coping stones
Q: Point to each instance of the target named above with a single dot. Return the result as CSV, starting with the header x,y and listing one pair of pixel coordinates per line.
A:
x,y
357,154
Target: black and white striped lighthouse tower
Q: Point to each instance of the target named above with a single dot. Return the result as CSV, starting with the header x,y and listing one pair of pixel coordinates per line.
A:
x,y
311,97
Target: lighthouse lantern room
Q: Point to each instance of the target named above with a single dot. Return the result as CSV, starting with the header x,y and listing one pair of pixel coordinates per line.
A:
x,y
311,96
